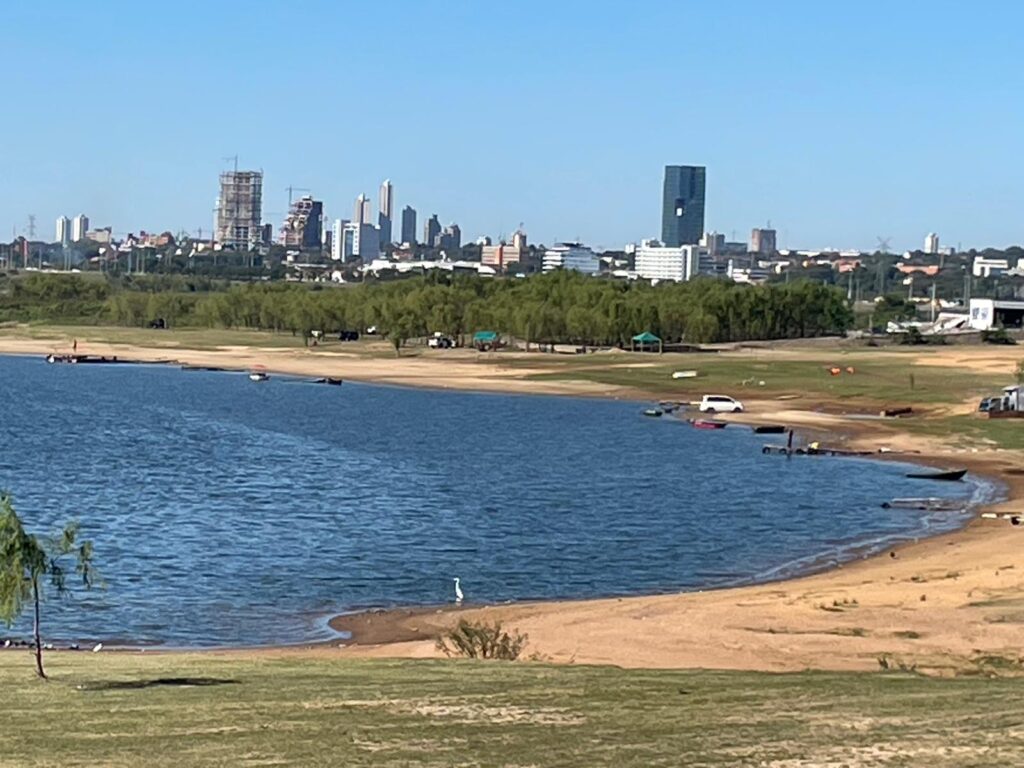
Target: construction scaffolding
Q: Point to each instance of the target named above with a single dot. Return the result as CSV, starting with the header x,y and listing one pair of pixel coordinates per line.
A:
x,y
240,209
303,226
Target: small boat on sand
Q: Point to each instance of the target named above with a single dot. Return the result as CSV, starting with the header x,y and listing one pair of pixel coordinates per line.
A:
x,y
708,424
770,429
259,376
950,475
684,375
329,380
653,412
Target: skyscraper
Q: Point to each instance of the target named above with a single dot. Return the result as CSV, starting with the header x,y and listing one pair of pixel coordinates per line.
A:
x,y
363,211
409,225
240,209
387,212
931,243
432,232
451,238
682,212
63,231
79,226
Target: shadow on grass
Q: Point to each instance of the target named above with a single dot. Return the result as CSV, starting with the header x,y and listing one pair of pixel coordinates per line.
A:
x,y
160,682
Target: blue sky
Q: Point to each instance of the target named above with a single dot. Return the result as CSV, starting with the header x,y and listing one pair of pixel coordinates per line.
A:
x,y
836,121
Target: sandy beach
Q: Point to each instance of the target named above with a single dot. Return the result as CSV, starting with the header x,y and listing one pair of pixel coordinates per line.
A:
x,y
936,604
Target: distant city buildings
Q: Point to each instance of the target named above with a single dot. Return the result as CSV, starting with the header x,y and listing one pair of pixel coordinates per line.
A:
x,y
341,244
682,215
713,242
79,226
62,232
409,225
762,242
931,243
303,224
240,210
432,232
573,256
102,235
386,214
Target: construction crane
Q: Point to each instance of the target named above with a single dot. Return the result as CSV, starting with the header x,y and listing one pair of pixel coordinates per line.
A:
x,y
291,189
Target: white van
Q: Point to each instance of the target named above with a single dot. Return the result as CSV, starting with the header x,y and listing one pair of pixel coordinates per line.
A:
x,y
720,404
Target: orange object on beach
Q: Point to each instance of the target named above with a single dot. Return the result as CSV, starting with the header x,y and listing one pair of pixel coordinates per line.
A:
x,y
835,371
849,369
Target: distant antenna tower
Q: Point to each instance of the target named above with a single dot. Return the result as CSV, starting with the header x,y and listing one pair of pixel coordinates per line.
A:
x,y
233,158
884,244
31,226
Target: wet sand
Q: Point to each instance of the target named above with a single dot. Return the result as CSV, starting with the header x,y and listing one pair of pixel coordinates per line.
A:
x,y
936,603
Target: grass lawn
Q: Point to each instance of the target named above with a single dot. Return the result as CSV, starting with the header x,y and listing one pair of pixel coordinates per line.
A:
x,y
111,709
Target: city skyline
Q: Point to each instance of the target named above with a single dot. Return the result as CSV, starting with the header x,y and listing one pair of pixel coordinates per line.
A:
x,y
835,143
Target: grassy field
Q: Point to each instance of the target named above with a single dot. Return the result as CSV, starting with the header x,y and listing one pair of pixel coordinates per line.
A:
x,y
206,710
879,377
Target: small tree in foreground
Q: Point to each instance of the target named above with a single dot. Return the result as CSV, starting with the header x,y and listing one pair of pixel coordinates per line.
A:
x,y
28,562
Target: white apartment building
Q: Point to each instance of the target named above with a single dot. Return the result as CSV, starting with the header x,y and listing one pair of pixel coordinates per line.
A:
x,y
654,261
571,256
63,231
931,243
79,226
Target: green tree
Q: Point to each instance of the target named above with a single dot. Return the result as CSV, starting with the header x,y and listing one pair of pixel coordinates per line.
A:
x,y
28,562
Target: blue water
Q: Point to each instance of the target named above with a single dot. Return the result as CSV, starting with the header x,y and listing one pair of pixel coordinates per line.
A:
x,y
227,512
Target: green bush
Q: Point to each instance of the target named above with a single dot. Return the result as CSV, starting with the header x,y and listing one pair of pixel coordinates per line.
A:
x,y
479,640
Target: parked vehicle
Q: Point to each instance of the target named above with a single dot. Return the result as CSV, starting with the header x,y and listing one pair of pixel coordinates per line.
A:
x,y
720,404
987,404
440,341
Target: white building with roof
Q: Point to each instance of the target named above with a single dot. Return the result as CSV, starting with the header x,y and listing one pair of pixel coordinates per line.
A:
x,y
575,256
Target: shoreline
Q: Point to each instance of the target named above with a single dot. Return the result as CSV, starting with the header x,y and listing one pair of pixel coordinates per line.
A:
x,y
736,627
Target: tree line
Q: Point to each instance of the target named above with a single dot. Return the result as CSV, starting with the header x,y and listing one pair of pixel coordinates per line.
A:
x,y
558,307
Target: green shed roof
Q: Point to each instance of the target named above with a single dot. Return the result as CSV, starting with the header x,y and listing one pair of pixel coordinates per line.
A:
x,y
646,338
485,336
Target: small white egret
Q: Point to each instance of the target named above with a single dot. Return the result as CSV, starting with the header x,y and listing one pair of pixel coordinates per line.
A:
x,y
97,648
458,591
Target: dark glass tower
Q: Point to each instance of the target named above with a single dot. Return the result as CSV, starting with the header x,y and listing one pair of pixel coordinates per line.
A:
x,y
682,212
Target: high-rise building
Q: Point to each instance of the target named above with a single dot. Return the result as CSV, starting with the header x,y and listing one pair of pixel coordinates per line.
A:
x,y
79,226
302,226
432,232
451,238
762,241
63,231
341,242
409,225
931,243
387,211
366,242
240,209
682,213
363,212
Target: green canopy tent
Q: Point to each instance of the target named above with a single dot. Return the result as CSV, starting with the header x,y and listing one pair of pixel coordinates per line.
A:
x,y
645,339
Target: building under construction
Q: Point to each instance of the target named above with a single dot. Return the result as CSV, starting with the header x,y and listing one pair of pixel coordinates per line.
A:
x,y
240,209
302,227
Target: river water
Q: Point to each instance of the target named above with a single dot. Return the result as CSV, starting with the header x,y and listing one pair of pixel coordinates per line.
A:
x,y
227,512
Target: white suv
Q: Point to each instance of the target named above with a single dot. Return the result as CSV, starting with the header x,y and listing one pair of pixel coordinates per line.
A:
x,y
720,404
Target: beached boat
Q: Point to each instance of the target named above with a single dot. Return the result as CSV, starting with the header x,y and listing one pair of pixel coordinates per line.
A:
x,y
334,382
259,376
770,429
684,375
708,424
929,504
950,475
653,412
